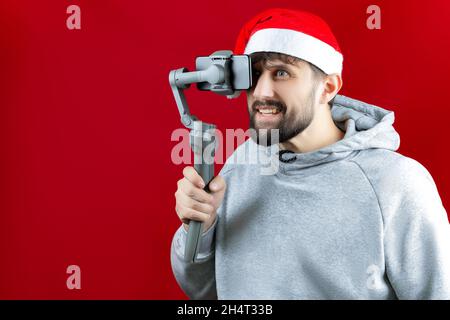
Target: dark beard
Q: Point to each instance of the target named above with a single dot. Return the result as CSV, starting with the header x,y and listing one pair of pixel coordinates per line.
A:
x,y
290,125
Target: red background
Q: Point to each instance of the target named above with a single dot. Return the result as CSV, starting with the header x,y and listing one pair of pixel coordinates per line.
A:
x,y
87,115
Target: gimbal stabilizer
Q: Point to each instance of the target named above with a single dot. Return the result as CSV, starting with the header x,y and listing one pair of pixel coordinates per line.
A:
x,y
222,73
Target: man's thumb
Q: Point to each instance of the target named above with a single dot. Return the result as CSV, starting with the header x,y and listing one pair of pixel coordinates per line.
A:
x,y
217,184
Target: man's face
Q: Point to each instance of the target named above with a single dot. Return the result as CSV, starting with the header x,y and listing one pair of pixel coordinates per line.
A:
x,y
283,97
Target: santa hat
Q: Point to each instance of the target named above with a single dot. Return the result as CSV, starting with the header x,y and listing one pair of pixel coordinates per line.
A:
x,y
297,33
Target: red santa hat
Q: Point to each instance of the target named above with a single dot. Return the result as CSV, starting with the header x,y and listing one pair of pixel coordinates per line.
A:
x,y
297,33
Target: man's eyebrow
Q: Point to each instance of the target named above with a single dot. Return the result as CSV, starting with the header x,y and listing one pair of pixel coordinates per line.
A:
x,y
280,65
273,65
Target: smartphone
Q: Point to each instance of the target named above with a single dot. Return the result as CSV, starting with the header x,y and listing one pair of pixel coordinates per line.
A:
x,y
237,68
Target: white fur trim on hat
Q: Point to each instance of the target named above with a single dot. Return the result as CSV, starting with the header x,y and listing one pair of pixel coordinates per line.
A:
x,y
297,44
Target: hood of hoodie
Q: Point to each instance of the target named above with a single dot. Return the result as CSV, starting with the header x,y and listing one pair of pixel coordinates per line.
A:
x,y
366,126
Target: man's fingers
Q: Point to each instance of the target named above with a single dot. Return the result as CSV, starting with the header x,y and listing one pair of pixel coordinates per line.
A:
x,y
194,192
217,184
193,202
190,214
192,175
188,202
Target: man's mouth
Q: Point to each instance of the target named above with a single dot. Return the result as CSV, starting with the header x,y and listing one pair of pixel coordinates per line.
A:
x,y
267,110
267,116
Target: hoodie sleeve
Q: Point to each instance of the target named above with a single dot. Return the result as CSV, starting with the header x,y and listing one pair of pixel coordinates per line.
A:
x,y
196,279
416,233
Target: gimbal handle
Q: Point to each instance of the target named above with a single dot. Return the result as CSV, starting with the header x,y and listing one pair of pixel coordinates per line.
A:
x,y
202,143
203,146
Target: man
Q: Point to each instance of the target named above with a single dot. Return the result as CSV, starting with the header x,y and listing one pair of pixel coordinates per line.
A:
x,y
343,217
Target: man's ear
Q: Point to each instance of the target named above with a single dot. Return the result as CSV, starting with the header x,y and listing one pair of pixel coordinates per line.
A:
x,y
331,86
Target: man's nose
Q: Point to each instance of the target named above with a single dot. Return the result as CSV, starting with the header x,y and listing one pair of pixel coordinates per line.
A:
x,y
264,87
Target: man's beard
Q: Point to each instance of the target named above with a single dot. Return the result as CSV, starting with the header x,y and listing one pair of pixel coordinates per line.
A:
x,y
290,125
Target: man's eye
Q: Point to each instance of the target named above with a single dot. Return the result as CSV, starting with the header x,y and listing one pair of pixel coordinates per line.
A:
x,y
282,73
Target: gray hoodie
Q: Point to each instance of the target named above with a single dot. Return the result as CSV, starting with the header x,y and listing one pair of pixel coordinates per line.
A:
x,y
353,220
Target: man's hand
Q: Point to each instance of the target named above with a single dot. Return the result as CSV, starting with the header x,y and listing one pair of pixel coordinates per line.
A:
x,y
194,203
